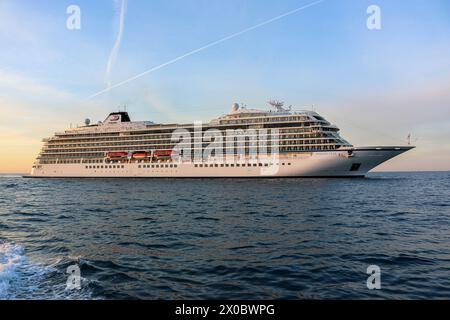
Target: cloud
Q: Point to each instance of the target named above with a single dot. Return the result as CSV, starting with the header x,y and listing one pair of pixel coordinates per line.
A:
x,y
26,120
22,84
162,106
35,109
120,7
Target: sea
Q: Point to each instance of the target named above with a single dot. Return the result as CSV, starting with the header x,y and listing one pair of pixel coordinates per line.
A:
x,y
226,238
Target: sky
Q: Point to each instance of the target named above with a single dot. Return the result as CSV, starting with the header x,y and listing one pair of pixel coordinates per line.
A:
x,y
377,85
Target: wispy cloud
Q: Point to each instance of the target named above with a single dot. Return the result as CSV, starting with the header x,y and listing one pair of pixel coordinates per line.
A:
x,y
120,7
23,84
162,106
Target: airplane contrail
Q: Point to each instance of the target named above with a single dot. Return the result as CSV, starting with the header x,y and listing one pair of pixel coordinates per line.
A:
x,y
209,45
112,57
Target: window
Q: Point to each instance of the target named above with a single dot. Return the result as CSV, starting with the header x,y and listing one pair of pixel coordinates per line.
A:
x,y
355,166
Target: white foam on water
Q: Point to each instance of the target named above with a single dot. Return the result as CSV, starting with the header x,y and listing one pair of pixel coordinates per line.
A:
x,y
20,279
11,257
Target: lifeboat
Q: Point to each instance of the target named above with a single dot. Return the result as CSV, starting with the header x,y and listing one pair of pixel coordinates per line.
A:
x,y
117,155
162,153
140,155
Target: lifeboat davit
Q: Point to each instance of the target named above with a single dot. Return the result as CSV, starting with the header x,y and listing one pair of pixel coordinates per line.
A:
x,y
140,155
162,153
117,155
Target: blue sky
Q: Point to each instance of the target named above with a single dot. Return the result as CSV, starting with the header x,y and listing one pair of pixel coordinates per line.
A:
x,y
377,85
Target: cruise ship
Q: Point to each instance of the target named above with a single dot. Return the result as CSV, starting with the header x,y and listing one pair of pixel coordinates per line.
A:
x,y
243,143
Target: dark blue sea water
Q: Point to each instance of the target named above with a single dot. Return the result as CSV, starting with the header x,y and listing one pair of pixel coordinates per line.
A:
x,y
226,239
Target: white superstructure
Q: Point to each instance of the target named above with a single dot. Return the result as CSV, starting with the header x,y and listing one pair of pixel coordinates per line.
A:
x,y
243,143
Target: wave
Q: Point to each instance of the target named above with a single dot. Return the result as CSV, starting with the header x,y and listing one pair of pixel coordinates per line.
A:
x,y
11,257
11,186
21,279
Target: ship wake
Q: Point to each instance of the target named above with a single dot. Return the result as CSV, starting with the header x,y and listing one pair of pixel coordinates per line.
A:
x,y
21,279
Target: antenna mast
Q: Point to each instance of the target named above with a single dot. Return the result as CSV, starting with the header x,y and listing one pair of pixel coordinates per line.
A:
x,y
278,105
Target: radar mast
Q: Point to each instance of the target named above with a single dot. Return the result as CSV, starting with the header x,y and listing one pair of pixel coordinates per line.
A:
x,y
278,105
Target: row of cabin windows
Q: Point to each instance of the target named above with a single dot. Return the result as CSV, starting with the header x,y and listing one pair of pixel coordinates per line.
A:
x,y
157,166
215,165
69,161
287,140
163,136
93,161
232,165
301,147
260,120
106,167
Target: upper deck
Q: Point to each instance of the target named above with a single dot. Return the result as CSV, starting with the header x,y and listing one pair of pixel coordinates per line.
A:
x,y
238,117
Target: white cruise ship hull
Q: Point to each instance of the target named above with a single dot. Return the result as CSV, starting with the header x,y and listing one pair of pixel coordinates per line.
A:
x,y
307,164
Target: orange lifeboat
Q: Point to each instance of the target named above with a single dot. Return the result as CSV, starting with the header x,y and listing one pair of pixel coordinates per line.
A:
x,y
140,155
162,153
117,155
